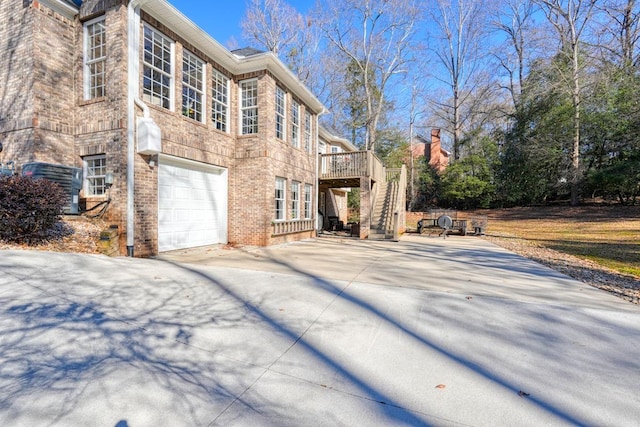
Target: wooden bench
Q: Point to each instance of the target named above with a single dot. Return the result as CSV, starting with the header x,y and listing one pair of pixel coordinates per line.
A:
x,y
459,226
430,223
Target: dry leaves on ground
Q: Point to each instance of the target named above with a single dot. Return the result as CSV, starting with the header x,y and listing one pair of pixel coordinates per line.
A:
x,y
623,286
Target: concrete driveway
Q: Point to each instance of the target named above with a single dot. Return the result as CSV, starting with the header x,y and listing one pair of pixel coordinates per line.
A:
x,y
426,331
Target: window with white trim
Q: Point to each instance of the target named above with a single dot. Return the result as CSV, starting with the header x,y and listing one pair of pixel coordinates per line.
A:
x,y
249,107
157,81
95,58
307,132
295,200
280,113
95,169
308,203
281,198
192,86
220,97
295,124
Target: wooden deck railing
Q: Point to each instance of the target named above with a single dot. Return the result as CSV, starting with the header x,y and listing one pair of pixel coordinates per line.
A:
x,y
351,165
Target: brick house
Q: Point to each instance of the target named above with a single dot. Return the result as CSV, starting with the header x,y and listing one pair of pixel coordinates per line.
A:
x,y
436,156
204,145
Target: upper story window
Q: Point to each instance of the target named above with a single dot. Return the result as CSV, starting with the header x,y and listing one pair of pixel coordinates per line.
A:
x,y
157,69
192,86
220,98
307,132
280,112
280,198
295,200
322,147
295,124
249,107
95,170
95,58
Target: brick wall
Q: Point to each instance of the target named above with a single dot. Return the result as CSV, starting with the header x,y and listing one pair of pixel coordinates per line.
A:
x,y
16,81
45,117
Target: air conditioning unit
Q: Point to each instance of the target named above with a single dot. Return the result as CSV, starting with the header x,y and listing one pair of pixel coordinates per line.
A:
x,y
67,177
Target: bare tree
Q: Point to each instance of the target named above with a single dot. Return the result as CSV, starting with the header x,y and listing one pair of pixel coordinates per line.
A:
x,y
375,37
461,49
570,18
515,20
279,28
273,24
620,31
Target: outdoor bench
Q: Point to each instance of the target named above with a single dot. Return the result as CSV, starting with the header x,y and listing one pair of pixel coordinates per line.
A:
x,y
458,225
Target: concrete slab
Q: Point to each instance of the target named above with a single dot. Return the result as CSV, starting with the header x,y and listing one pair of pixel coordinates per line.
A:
x,y
425,331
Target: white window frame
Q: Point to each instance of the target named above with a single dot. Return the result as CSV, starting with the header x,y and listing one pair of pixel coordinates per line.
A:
x,y
308,143
193,87
248,124
95,59
94,175
220,101
308,201
295,123
295,199
281,199
281,118
163,95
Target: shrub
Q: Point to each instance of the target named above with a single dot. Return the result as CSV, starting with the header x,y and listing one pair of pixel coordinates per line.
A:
x,y
29,209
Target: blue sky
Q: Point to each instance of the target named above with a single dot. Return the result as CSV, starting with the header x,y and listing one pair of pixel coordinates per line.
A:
x,y
221,19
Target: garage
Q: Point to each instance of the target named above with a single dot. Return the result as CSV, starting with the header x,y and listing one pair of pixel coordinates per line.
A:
x,y
192,204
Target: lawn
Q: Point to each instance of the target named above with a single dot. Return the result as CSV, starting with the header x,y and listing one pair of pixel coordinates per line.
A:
x,y
607,235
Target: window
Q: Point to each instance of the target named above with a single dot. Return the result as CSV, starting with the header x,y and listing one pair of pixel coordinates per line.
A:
x,y
157,81
95,58
295,200
280,112
220,96
280,199
295,124
249,107
95,169
308,204
307,132
192,86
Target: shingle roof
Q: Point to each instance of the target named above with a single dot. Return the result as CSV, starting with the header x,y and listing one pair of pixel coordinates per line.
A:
x,y
76,3
246,52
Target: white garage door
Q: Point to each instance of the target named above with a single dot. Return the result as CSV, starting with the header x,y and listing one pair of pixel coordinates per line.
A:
x,y
192,204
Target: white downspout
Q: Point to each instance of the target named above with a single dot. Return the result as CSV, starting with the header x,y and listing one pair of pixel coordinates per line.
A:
x,y
133,78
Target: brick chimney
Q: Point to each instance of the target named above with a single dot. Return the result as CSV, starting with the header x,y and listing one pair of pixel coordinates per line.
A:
x,y
436,158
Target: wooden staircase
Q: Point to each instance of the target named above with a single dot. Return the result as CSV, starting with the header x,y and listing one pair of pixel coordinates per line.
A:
x,y
382,216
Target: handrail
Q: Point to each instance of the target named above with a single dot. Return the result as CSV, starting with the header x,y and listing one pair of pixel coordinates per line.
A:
x,y
399,176
351,164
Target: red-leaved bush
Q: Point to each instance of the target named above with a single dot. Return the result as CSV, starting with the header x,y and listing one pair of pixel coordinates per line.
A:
x,y
29,209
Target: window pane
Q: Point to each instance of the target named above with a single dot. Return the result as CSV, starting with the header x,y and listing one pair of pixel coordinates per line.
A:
x,y
96,169
95,59
249,107
158,80
220,95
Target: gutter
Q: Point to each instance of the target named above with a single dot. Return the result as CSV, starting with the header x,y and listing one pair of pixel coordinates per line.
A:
x,y
133,86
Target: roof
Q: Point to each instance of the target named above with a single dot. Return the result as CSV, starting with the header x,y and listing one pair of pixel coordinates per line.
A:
x,y
67,8
246,52
254,60
329,136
